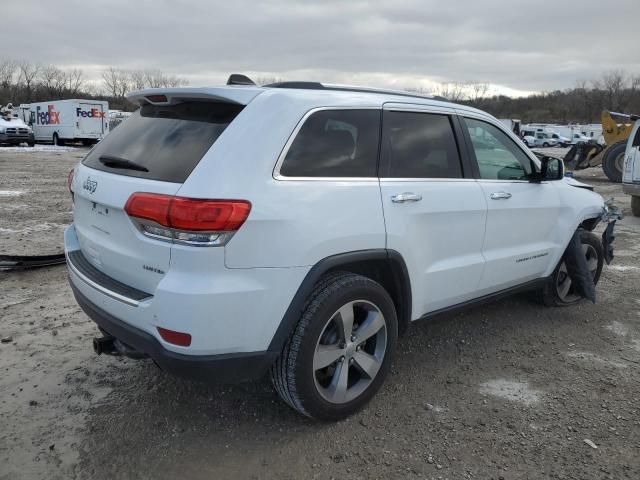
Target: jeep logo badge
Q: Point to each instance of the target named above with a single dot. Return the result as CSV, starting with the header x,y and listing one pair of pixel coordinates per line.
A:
x,y
90,185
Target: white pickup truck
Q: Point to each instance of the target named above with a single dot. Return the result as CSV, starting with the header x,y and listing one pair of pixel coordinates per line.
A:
x,y
13,131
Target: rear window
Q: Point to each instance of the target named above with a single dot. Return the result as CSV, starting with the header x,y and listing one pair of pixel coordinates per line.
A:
x,y
335,143
163,142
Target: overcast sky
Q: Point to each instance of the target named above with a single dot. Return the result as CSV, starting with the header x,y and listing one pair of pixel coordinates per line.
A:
x,y
518,47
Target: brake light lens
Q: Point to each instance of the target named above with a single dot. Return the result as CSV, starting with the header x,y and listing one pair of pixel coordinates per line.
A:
x,y
157,98
176,338
187,220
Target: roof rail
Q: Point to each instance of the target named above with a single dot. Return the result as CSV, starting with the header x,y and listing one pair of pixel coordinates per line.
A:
x,y
345,88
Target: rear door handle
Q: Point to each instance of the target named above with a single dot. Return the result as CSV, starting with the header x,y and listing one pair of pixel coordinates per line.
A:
x,y
500,196
406,197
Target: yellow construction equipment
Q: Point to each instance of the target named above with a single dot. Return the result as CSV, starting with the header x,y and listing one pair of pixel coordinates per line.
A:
x,y
615,136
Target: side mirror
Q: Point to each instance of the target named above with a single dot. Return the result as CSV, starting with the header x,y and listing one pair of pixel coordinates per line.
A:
x,y
551,168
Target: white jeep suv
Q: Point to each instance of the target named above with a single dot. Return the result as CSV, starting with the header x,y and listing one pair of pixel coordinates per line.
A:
x,y
299,228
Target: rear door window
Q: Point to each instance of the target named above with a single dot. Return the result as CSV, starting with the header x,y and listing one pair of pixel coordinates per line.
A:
x,y
335,143
163,142
420,145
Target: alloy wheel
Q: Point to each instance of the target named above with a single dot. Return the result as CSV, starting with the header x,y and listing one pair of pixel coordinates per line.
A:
x,y
564,285
349,351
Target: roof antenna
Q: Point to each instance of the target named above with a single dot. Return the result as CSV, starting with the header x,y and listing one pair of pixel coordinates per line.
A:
x,y
239,79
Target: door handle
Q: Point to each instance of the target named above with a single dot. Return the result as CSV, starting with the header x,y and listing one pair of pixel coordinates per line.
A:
x,y
406,197
500,196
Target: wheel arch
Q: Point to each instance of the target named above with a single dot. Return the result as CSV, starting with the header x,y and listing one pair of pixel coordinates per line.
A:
x,y
387,267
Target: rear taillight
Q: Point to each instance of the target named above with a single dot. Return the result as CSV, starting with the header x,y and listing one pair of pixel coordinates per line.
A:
x,y
191,221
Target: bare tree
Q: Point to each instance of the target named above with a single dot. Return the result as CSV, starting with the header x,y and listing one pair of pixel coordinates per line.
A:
x,y
28,75
138,79
74,81
7,72
116,82
452,91
268,80
157,79
613,85
52,80
477,90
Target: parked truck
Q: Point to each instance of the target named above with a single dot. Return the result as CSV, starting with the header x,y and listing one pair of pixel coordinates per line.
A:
x,y
60,121
13,131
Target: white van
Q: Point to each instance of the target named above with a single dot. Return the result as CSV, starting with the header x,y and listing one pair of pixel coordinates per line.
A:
x,y
59,121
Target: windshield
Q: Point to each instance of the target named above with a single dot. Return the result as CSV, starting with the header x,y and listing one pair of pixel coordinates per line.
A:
x,y
163,142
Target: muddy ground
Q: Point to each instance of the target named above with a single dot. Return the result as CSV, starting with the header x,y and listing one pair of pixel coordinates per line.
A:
x,y
508,390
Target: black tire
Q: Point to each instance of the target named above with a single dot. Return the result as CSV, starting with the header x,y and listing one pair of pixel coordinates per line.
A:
x,y
550,292
31,144
545,144
635,205
612,161
57,140
293,375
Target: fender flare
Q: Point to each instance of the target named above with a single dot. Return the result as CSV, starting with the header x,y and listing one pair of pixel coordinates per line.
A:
x,y
335,262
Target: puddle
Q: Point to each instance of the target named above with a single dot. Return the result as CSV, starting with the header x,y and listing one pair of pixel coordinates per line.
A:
x,y
41,227
510,390
593,358
11,193
623,268
618,328
14,206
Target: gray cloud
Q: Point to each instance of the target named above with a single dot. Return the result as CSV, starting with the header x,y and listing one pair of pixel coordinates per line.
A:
x,y
524,47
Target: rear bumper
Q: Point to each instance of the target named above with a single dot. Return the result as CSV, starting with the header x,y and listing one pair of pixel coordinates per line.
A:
x,y
224,368
631,189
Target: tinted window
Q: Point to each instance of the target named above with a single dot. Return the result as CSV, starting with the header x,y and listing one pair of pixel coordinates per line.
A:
x,y
498,157
636,139
335,143
420,145
168,141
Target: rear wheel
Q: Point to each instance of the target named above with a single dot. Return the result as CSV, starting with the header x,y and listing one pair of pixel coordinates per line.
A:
x,y
635,205
57,140
545,144
613,161
340,352
560,290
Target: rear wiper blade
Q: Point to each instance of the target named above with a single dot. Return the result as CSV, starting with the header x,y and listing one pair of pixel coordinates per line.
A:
x,y
118,162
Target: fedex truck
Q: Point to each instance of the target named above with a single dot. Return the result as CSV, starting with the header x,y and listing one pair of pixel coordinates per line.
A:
x,y
60,121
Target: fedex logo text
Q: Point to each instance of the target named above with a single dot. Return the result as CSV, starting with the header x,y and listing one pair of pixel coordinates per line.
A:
x,y
93,113
50,117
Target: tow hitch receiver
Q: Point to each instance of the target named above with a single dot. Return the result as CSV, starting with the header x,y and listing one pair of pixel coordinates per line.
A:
x,y
110,345
105,345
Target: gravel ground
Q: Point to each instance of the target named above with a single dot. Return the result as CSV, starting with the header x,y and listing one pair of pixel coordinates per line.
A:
x,y
508,390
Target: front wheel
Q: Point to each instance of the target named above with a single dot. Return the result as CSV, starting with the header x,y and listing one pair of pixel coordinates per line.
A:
x,y
340,352
560,290
545,144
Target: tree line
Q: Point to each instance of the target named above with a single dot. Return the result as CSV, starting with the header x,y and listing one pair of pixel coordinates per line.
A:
x,y
614,90
25,82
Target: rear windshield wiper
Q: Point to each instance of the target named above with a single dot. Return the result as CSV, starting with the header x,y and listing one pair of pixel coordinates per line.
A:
x,y
118,162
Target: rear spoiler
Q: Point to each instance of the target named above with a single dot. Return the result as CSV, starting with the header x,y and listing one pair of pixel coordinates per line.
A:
x,y
240,95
